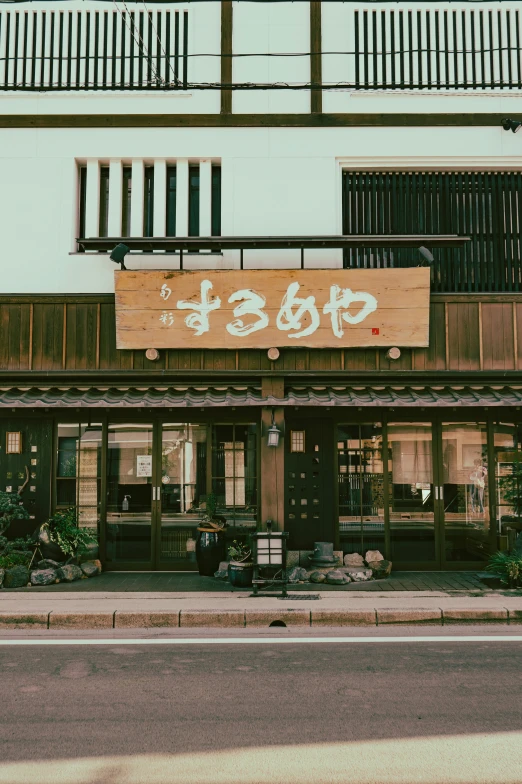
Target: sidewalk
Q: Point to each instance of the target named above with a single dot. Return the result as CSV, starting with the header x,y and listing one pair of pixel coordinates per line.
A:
x,y
103,610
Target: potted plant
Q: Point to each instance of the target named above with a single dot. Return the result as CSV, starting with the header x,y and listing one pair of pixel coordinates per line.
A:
x,y
240,568
508,566
210,546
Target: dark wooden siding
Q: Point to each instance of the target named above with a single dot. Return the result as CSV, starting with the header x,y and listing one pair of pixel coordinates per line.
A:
x,y
481,332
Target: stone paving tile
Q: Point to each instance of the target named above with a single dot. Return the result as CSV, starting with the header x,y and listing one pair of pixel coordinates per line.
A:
x,y
192,582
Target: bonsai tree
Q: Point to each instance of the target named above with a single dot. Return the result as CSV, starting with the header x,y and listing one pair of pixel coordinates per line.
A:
x,y
239,552
11,508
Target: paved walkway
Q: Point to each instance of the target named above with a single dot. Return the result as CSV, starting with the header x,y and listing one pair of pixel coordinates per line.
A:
x,y
192,582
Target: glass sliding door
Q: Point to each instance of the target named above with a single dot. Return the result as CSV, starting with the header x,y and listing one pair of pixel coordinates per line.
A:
x,y
411,494
182,492
360,480
464,492
129,494
508,475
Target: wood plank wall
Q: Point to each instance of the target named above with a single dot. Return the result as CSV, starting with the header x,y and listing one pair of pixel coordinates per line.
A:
x,y
466,334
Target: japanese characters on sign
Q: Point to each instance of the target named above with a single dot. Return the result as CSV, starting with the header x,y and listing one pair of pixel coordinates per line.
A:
x,y
263,308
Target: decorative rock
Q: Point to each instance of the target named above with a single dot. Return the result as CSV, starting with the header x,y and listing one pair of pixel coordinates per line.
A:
x,y
373,555
317,577
335,577
297,574
43,576
69,573
2,574
90,568
222,574
353,559
16,577
98,564
380,569
359,575
48,563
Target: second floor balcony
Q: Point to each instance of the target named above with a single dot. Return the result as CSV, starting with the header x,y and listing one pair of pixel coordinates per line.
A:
x,y
469,46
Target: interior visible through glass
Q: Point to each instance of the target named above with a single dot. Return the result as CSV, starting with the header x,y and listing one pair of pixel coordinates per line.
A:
x,y
410,472
465,491
360,487
183,489
129,492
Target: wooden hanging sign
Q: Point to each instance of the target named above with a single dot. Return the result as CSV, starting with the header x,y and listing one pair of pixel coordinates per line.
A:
x,y
321,308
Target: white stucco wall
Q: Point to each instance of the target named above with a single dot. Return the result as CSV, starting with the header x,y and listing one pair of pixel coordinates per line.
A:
x,y
277,181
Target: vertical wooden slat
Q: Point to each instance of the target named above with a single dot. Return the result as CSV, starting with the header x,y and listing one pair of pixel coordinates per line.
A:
x,y
42,49
185,49
481,337
33,49
226,53
64,338
316,78
31,323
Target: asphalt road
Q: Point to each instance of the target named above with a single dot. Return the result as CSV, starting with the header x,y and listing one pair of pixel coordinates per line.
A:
x,y
411,712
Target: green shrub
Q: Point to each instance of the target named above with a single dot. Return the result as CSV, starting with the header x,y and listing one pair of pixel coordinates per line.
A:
x,y
507,565
14,559
64,531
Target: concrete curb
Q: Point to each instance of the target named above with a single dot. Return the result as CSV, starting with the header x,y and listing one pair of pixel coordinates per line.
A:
x,y
260,618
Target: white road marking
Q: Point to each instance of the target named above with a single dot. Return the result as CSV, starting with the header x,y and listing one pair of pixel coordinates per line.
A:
x,y
264,640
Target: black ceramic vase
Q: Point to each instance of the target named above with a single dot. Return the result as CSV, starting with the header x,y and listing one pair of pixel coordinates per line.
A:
x,y
210,550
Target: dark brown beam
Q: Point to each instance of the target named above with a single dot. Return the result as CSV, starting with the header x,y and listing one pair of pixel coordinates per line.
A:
x,y
250,120
226,55
281,243
316,70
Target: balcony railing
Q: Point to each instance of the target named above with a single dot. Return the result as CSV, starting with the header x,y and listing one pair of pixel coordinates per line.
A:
x,y
434,48
93,50
486,206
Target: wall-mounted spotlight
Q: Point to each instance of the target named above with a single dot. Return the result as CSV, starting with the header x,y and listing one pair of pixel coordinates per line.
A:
x,y
511,125
426,256
274,433
119,253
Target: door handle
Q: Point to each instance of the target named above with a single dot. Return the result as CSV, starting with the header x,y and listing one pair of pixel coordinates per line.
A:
x,y
153,493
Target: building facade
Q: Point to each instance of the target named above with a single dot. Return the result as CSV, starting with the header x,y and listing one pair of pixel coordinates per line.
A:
x,y
271,142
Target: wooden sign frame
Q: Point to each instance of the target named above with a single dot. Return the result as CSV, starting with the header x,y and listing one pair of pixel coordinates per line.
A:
x,y
324,308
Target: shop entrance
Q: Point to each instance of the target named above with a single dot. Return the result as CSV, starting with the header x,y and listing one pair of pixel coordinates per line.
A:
x,y
309,467
417,491
160,478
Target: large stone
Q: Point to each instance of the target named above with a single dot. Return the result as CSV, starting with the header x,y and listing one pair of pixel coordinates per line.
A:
x,y
380,569
43,576
69,573
297,574
353,559
373,555
48,563
317,577
359,575
335,577
90,568
16,577
2,575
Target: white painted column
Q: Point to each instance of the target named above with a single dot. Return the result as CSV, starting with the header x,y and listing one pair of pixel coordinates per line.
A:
x,y
115,198
182,189
160,199
138,184
205,198
92,200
